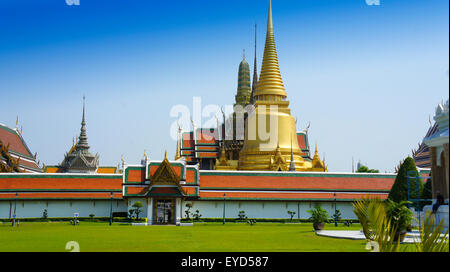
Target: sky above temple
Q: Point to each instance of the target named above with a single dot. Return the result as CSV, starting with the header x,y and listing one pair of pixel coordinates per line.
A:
x,y
366,77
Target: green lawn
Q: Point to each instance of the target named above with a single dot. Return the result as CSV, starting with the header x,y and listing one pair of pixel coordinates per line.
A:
x,y
202,237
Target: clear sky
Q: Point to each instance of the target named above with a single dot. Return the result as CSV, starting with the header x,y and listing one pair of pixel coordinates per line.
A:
x,y
366,77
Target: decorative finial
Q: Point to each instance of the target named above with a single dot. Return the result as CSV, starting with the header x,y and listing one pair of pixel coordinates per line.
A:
x,y
223,113
307,127
270,21
292,163
145,155
84,102
255,75
17,121
243,54
165,155
179,127
82,139
193,124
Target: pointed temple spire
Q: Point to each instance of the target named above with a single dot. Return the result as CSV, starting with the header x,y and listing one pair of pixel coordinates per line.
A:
x,y
270,82
316,162
255,75
79,159
292,164
177,152
82,140
244,90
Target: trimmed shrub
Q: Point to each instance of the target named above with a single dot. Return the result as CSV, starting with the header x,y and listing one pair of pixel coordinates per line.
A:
x,y
399,191
120,214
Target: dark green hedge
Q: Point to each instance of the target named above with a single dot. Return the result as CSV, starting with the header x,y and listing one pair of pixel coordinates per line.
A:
x,y
271,220
81,219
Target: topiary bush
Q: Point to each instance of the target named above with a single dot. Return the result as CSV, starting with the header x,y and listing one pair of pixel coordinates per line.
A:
x,y
399,191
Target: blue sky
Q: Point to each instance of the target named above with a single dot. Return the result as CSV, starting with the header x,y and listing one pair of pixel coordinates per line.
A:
x,y
366,77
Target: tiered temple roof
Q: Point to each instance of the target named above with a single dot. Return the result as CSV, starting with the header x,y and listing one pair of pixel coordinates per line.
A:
x,y
421,156
12,141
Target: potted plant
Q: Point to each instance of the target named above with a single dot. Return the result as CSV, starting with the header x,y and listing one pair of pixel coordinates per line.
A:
x,y
401,217
319,216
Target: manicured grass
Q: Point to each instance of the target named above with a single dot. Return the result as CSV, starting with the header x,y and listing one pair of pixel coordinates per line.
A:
x,y
202,237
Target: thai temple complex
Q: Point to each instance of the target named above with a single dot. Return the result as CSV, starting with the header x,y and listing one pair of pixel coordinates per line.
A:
x,y
266,177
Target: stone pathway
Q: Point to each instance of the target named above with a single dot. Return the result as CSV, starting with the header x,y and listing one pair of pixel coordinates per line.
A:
x,y
411,237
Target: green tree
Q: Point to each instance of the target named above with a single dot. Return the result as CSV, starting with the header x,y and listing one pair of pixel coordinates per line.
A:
x,y
365,169
291,213
197,215
242,215
399,191
337,215
188,206
426,193
45,214
137,208
318,214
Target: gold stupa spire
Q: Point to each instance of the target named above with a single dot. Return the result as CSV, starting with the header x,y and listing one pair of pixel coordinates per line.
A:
x,y
223,157
316,162
270,81
281,150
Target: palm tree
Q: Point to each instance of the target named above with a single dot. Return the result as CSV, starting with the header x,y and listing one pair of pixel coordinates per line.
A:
x,y
431,240
376,225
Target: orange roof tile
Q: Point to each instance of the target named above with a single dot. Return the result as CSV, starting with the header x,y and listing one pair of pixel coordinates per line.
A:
x,y
59,195
60,182
287,181
288,196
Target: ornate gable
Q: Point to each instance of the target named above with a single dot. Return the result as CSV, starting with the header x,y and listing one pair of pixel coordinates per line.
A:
x,y
165,176
277,162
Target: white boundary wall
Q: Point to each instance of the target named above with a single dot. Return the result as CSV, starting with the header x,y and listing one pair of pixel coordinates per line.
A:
x,y
208,209
265,209
60,208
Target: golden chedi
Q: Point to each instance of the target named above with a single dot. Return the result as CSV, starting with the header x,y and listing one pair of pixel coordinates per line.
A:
x,y
270,131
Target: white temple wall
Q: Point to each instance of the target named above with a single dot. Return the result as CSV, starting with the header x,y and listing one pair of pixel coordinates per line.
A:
x,y
266,209
208,209
60,208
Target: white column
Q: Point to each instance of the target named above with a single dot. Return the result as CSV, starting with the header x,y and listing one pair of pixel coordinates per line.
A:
x,y
178,210
150,211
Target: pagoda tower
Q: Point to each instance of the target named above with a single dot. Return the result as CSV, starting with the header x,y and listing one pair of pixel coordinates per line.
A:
x,y
244,89
79,159
271,149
